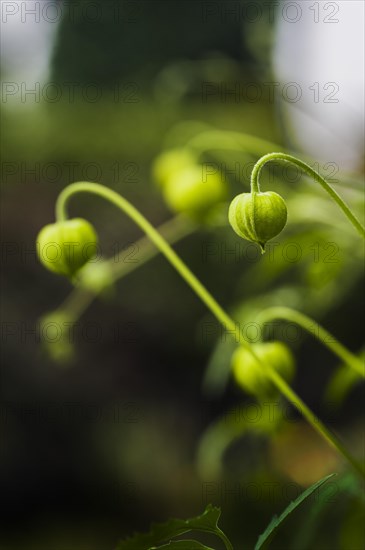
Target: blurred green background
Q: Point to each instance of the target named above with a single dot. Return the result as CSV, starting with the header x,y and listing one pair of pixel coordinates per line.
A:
x,y
96,449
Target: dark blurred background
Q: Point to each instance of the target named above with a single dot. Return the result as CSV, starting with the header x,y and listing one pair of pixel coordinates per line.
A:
x,y
95,449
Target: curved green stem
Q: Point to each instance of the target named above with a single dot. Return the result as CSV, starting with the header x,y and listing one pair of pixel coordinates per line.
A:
x,y
215,139
220,139
224,538
283,157
153,234
173,231
319,332
203,294
221,434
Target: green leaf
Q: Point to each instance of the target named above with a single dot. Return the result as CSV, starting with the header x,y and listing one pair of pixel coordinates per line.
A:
x,y
347,486
276,522
183,545
162,532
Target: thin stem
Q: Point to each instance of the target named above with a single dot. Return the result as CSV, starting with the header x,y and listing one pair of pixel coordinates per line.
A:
x,y
221,434
76,302
173,231
213,139
313,420
317,331
283,157
155,237
224,538
218,139
203,294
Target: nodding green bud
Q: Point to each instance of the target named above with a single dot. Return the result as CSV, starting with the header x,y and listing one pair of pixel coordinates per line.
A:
x,y
170,163
250,374
258,217
193,191
64,247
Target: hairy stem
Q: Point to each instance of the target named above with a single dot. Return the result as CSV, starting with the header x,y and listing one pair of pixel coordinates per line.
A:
x,y
203,294
283,157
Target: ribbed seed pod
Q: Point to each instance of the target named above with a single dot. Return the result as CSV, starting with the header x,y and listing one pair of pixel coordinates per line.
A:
x,y
258,217
64,247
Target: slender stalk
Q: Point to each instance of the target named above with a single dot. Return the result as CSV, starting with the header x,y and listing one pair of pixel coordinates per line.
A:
x,y
214,139
154,236
313,420
77,302
283,157
203,294
224,538
173,231
218,139
317,331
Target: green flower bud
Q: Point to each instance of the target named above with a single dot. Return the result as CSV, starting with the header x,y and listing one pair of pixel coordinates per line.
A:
x,y
190,191
170,163
258,217
64,247
250,374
